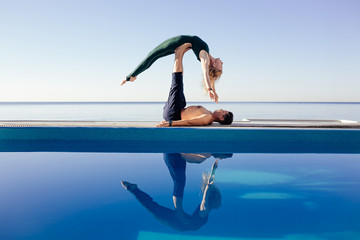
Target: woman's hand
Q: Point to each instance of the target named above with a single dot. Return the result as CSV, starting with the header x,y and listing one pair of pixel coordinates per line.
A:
x,y
213,96
212,174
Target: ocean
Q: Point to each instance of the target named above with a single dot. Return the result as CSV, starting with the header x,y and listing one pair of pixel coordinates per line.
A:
x,y
152,111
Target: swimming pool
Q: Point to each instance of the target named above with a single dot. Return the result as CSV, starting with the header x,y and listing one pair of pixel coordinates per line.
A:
x,y
65,183
77,195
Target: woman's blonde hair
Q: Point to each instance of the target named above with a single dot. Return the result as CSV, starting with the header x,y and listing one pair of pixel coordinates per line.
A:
x,y
214,75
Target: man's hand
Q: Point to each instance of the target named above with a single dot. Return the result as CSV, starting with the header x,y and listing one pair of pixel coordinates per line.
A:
x,y
163,124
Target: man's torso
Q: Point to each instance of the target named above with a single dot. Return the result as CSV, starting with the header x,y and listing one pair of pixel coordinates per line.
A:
x,y
193,112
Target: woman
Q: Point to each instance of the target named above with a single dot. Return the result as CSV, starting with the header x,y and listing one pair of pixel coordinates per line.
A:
x,y
211,67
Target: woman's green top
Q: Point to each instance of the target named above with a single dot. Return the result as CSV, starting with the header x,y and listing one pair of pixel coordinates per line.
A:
x,y
168,47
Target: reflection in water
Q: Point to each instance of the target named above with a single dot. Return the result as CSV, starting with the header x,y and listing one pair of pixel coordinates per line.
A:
x,y
178,218
272,196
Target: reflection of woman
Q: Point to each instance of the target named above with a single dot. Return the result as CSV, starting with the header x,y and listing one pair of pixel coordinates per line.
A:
x,y
178,218
211,67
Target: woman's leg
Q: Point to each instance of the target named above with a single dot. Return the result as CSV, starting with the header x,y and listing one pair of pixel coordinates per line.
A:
x,y
166,48
158,211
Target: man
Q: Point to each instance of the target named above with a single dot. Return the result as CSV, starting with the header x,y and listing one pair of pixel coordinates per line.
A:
x,y
175,113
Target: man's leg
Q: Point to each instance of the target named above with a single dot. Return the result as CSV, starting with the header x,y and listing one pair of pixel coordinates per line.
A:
x,y
176,100
177,166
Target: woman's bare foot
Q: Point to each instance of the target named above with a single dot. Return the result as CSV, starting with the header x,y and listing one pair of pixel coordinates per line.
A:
x,y
183,48
128,186
131,80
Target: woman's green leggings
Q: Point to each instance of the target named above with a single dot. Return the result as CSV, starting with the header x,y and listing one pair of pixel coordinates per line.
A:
x,y
166,48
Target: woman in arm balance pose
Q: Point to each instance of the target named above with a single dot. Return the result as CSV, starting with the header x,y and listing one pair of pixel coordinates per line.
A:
x,y
211,67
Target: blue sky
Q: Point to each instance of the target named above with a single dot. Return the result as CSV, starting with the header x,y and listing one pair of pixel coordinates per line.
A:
x,y
273,50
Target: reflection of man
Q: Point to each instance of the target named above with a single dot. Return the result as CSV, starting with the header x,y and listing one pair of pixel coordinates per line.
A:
x,y
175,113
176,163
178,218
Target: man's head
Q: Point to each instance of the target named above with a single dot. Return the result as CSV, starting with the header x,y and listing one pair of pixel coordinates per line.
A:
x,y
224,117
222,155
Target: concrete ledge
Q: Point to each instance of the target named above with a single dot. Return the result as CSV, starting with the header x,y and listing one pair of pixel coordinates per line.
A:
x,y
102,137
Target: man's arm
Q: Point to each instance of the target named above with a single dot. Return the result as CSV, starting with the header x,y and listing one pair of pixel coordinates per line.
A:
x,y
202,120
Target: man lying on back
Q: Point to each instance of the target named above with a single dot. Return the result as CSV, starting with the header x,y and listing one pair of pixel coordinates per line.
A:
x,y
175,113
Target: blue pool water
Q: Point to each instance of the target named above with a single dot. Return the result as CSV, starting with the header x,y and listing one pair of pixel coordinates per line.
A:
x,y
62,195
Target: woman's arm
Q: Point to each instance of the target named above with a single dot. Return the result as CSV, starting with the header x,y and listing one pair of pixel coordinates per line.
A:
x,y
205,63
204,206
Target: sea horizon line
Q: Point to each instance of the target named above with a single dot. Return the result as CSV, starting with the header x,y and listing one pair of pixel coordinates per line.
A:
x,y
161,102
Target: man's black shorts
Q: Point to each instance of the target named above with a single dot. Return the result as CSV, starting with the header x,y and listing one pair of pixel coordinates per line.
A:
x,y
176,101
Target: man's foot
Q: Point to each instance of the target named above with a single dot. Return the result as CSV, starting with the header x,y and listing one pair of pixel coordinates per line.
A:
x,y
128,186
131,80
